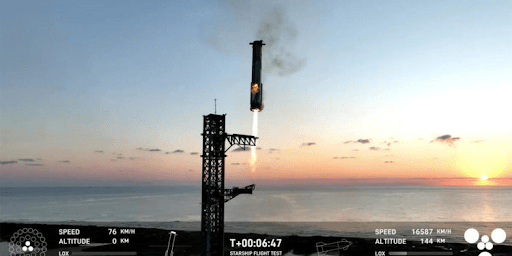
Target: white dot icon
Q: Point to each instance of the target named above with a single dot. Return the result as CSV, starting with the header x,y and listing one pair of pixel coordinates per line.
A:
x,y
485,238
27,243
24,248
484,254
498,235
471,235
480,246
488,246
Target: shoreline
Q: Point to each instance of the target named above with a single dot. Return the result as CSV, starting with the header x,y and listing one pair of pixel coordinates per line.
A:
x,y
153,241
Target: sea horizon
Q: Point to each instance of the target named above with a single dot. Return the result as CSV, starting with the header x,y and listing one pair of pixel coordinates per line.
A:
x,y
310,183
328,203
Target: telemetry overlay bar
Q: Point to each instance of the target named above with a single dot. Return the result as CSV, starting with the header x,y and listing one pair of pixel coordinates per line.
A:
x,y
420,253
103,253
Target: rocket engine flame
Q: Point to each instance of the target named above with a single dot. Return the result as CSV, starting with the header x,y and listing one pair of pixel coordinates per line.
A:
x,y
257,109
255,91
252,162
255,88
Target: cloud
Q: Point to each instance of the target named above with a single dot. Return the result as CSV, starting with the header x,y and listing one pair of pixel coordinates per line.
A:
x,y
240,149
177,151
26,160
134,157
64,161
194,153
388,162
390,142
98,151
444,137
374,148
8,162
120,157
149,149
235,163
355,150
190,170
362,141
34,164
308,144
271,150
447,139
478,141
258,148
344,157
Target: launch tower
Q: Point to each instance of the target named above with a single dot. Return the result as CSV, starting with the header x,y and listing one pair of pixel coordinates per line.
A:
x,y
213,193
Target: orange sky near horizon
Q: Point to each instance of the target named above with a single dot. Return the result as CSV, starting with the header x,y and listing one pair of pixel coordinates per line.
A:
x,y
104,93
419,161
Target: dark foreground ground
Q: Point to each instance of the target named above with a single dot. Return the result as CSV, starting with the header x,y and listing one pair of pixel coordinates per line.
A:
x,y
146,241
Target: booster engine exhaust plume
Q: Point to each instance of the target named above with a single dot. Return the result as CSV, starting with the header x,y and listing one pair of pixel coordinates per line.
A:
x,y
252,162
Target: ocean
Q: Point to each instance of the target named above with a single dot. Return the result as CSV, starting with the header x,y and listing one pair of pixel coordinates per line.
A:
x,y
304,211
266,204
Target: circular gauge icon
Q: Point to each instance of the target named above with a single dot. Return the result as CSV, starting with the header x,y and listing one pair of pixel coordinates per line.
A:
x,y
27,242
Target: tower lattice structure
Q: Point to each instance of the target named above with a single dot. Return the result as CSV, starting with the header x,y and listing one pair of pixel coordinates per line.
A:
x,y
213,172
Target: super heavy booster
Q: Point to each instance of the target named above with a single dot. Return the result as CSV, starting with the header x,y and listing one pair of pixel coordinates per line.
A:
x,y
256,85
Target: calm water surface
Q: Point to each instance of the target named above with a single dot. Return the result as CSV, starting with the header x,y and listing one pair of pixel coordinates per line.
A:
x,y
346,204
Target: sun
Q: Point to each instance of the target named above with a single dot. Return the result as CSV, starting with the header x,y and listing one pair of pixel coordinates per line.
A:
x,y
483,177
478,161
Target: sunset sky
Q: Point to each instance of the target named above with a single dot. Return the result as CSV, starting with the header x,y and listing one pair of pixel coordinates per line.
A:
x,y
355,92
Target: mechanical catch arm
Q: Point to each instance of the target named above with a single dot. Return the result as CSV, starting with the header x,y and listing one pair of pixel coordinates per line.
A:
x,y
235,191
240,140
